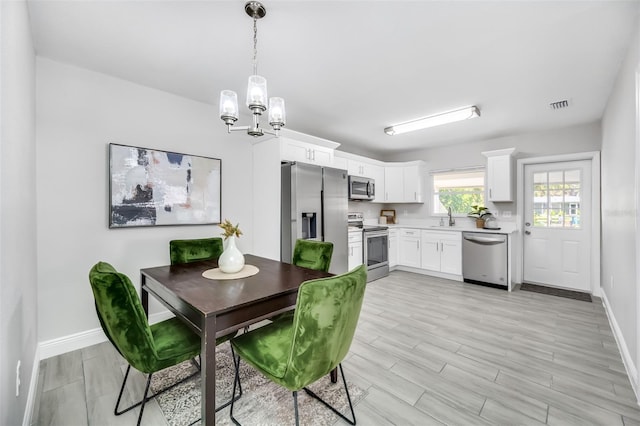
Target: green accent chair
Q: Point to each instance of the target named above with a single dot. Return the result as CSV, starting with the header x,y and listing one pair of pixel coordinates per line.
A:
x,y
147,348
309,254
186,251
298,352
313,254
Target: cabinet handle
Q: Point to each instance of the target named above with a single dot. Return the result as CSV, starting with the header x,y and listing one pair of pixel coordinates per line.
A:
x,y
415,196
441,246
418,244
490,196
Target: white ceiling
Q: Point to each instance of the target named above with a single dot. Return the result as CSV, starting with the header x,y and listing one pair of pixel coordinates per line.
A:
x,y
348,69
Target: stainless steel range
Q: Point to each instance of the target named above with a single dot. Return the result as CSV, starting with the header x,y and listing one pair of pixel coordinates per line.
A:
x,y
375,246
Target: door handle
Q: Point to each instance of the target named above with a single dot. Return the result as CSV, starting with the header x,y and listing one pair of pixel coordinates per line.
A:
x,y
527,232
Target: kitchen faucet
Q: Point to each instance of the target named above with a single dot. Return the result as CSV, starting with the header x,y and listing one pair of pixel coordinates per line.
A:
x,y
452,221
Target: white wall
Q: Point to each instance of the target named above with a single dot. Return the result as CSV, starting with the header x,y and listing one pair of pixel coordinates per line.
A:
x,y
18,307
582,138
78,113
620,203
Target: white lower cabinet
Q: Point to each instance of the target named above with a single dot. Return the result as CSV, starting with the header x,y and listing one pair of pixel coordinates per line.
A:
x,y
410,247
393,248
355,249
442,251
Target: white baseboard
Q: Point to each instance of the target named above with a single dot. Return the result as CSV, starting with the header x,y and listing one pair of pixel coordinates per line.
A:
x,y
627,360
83,339
33,384
428,272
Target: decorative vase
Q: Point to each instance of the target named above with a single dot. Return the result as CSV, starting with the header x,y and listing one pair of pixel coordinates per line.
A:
x,y
231,260
479,223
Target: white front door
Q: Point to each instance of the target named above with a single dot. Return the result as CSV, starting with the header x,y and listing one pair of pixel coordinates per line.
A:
x,y
557,224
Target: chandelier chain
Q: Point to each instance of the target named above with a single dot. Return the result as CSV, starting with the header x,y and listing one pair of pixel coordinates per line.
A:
x,y
255,45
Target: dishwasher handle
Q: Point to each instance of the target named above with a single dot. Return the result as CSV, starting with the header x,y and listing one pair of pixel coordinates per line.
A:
x,y
487,241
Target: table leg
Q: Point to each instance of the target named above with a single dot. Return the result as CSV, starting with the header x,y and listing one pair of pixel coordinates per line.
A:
x,y
334,375
144,295
208,372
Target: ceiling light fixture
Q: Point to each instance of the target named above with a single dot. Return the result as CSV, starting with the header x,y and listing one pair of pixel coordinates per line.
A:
x,y
256,91
434,120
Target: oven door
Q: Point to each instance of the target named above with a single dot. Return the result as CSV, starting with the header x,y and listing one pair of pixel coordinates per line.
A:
x,y
376,254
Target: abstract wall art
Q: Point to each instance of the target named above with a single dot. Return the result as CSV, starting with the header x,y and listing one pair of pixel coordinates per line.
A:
x,y
150,187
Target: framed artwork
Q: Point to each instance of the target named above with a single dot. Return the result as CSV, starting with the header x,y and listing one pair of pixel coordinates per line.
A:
x,y
149,187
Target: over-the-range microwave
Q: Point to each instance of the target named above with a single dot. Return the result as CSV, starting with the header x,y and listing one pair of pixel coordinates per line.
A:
x,y
361,188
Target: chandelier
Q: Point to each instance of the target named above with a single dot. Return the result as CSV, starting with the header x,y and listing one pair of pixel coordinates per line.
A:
x,y
256,91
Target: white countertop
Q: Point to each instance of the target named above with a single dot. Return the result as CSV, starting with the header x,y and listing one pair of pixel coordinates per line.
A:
x,y
503,229
462,225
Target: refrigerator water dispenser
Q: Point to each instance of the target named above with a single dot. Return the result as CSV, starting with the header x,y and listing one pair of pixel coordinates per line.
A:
x,y
309,226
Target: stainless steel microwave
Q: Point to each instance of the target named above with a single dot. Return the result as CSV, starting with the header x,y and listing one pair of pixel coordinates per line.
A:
x,y
361,188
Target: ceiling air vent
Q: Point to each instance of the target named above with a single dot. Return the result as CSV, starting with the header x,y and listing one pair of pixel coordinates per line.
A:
x,y
559,104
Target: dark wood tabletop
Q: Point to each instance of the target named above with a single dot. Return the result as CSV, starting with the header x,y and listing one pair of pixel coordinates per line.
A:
x,y
216,307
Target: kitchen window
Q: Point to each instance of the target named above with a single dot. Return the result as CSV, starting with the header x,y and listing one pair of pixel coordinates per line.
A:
x,y
458,189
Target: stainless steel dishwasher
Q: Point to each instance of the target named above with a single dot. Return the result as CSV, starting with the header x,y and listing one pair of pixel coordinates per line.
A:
x,y
484,258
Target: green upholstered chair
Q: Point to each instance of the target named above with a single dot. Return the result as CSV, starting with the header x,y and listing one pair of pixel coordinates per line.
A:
x,y
186,251
298,352
313,255
147,348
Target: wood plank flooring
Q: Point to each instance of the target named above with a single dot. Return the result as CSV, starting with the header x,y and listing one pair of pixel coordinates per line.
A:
x,y
428,351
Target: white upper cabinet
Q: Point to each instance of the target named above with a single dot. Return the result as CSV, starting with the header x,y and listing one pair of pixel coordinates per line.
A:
x,y
403,183
304,152
393,185
413,176
500,175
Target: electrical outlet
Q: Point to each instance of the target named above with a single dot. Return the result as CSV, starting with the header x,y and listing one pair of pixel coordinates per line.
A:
x,y
506,213
18,379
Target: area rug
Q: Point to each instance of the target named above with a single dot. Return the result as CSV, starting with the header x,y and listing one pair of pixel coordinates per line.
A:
x,y
585,297
262,403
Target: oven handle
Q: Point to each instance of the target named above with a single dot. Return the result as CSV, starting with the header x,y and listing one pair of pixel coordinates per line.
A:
x,y
370,234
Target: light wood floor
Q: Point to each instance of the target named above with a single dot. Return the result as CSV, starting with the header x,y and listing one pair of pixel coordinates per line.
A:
x,y
428,351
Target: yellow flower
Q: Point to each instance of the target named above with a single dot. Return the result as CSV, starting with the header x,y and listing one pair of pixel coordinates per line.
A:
x,y
229,229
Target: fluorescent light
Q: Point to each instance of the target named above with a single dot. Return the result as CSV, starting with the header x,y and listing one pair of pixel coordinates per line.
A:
x,y
434,120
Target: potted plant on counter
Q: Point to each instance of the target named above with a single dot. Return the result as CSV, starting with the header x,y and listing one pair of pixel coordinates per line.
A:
x,y
479,213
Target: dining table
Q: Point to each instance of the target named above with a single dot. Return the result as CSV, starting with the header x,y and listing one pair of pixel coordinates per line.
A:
x,y
217,307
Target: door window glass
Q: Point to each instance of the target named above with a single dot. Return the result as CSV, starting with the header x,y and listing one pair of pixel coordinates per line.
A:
x,y
556,199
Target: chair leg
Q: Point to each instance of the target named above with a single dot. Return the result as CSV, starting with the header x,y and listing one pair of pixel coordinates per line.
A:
x,y
233,395
295,406
236,362
353,414
124,382
144,399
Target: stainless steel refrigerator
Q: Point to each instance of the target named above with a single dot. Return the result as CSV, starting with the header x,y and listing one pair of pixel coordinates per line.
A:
x,y
314,207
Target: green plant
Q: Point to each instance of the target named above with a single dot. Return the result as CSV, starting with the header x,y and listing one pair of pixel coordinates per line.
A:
x,y
229,229
479,212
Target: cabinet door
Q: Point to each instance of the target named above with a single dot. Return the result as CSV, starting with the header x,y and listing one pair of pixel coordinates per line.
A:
x,y
303,152
412,176
354,168
430,258
355,254
499,178
409,248
394,185
377,173
393,248
451,257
